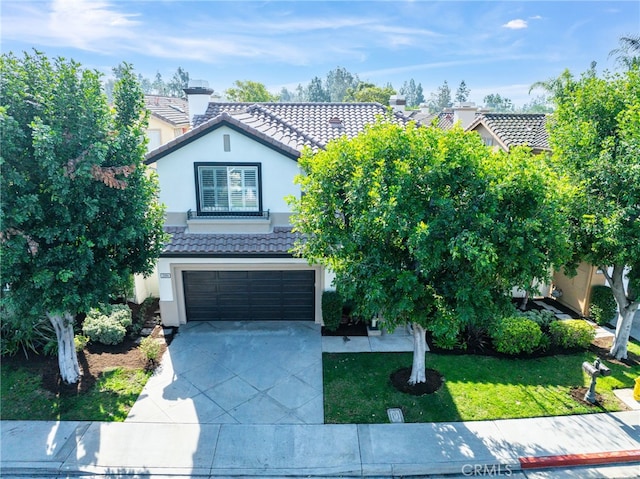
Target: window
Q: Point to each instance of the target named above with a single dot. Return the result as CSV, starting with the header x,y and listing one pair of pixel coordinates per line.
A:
x,y
228,188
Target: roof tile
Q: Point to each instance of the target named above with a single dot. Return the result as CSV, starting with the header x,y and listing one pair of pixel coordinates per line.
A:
x,y
279,242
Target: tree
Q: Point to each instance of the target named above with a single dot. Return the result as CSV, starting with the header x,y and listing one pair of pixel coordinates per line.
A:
x,y
316,92
370,93
628,53
413,93
178,83
249,91
462,93
79,212
158,85
539,104
338,82
428,227
595,137
441,99
498,103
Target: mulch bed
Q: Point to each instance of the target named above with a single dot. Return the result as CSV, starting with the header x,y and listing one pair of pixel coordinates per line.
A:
x,y
358,328
400,381
93,360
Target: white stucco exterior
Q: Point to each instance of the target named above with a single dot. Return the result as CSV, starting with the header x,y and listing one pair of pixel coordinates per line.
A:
x,y
177,177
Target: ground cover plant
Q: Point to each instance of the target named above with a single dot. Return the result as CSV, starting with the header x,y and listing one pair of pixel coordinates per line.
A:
x,y
476,387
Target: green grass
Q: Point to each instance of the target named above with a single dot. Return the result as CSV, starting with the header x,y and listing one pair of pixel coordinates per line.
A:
x,y
110,399
357,388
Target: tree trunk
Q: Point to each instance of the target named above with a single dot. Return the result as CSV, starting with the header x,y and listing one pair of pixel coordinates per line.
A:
x,y
418,369
626,311
67,356
623,328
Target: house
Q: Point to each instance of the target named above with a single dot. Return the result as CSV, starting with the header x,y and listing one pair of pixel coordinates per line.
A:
x,y
168,119
224,184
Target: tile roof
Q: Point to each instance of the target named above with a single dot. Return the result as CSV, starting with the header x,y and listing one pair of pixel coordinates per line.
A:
x,y
170,109
316,123
277,243
287,127
515,129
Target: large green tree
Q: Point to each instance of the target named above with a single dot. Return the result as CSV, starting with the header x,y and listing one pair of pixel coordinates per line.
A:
x,y
79,212
249,91
338,82
428,227
595,136
370,93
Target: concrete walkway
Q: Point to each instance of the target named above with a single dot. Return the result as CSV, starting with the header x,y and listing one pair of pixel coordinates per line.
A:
x,y
516,448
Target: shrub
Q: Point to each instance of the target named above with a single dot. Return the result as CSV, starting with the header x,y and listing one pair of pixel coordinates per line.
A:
x,y
80,341
542,318
107,324
150,349
572,333
18,333
331,310
603,306
515,335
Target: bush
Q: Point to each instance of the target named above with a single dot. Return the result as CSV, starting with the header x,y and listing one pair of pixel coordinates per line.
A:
x,y
18,333
515,335
331,310
542,318
150,349
571,333
603,307
80,341
107,324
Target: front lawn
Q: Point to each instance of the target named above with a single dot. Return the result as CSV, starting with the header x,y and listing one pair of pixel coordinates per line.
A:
x,y
357,388
109,399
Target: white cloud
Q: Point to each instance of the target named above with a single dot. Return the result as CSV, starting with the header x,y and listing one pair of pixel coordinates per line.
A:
x,y
516,24
535,17
82,24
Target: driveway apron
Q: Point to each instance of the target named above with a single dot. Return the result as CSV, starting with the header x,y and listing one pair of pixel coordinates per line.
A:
x,y
237,372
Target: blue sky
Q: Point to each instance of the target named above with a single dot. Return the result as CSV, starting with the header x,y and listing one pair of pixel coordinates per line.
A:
x,y
496,47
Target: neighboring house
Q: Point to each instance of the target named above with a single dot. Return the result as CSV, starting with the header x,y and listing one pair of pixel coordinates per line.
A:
x,y
506,130
169,119
224,184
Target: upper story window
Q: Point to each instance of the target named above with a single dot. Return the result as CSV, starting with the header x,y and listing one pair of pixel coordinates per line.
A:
x,y
228,189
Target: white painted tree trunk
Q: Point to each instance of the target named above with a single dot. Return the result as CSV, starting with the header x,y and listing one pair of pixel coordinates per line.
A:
x,y
418,369
67,356
623,328
626,311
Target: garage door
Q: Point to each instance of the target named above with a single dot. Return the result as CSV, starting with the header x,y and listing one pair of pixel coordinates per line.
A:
x,y
249,295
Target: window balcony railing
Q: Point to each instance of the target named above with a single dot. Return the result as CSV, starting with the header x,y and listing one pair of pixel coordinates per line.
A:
x,y
227,215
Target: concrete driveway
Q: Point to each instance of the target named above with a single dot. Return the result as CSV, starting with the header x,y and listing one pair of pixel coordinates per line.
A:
x,y
237,372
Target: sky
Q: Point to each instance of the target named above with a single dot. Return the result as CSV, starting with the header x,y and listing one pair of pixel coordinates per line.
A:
x,y
495,47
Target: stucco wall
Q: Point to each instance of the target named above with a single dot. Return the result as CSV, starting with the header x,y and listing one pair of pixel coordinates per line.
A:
x,y
576,290
177,178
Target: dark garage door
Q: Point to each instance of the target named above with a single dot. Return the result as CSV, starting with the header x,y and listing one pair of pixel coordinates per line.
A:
x,y
249,295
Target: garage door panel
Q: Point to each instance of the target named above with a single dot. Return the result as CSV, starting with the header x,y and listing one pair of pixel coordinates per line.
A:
x,y
249,295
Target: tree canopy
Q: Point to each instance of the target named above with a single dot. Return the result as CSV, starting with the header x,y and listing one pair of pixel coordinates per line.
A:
x,y
595,136
79,212
249,91
428,227
370,93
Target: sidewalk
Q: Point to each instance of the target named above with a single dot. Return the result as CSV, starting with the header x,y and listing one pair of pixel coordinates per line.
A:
x,y
516,447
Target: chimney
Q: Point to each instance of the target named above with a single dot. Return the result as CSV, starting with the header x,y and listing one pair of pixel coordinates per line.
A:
x,y
198,97
464,113
398,103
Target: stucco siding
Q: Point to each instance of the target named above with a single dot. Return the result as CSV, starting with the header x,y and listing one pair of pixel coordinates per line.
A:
x,y
177,178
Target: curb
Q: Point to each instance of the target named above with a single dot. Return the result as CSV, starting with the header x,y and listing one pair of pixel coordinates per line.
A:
x,y
588,459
